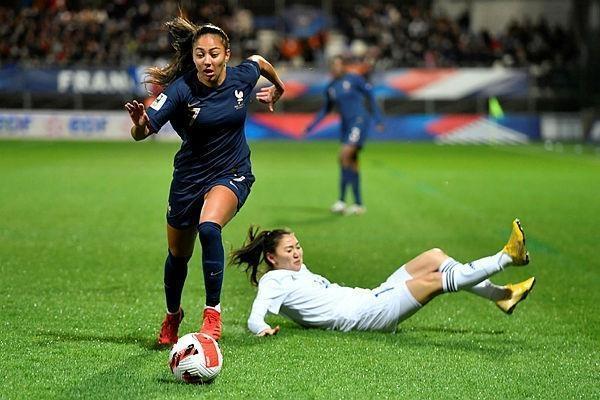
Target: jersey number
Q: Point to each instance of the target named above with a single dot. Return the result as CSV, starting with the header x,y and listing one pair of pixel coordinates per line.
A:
x,y
195,112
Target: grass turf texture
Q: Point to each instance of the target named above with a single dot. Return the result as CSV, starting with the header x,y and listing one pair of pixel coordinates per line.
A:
x,y
82,247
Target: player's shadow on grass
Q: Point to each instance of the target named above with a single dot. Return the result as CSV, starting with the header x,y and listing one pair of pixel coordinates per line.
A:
x,y
492,343
437,329
489,343
175,382
148,343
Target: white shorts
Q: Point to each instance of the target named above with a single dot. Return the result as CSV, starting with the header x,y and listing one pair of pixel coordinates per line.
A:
x,y
382,308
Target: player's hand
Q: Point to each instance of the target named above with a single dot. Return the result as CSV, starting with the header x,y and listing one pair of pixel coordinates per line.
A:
x,y
269,332
269,95
137,113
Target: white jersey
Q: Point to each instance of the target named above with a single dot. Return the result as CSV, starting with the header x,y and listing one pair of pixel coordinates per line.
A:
x,y
312,301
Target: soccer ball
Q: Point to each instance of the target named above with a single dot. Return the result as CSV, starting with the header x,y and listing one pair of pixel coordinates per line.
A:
x,y
196,358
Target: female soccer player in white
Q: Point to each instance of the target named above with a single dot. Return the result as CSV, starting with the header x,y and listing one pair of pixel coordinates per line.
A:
x,y
290,289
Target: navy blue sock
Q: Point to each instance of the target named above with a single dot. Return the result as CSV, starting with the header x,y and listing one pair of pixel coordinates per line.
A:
x,y
213,260
344,181
355,184
174,278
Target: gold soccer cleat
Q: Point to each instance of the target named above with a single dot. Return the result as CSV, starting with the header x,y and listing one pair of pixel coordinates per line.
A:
x,y
515,247
518,293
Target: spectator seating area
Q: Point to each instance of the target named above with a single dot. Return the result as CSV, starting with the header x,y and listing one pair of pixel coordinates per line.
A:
x,y
384,35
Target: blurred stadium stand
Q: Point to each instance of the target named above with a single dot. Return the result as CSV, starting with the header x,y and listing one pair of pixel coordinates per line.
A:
x,y
50,50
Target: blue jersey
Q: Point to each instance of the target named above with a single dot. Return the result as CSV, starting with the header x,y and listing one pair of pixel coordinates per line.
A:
x,y
210,122
348,94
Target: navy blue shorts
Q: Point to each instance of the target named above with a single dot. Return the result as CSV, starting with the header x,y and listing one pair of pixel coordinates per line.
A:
x,y
186,199
356,133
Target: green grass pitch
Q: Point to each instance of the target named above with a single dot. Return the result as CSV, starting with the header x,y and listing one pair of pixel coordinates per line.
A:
x,y
82,246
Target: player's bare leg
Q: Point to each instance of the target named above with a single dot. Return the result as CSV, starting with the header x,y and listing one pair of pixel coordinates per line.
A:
x,y
453,275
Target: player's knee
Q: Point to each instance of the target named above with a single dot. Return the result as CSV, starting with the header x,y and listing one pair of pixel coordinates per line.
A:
x,y
345,160
179,252
181,248
209,232
437,251
436,255
178,256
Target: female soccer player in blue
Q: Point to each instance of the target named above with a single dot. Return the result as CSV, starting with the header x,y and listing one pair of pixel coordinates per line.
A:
x,y
348,91
206,102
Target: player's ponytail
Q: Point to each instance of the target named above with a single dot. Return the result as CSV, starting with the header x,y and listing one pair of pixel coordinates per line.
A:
x,y
183,34
254,251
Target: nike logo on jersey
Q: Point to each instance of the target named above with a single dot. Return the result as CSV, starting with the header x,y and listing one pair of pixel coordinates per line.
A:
x,y
194,111
383,291
232,184
216,273
240,179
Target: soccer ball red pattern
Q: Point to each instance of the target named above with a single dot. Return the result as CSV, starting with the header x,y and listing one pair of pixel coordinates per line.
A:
x,y
196,358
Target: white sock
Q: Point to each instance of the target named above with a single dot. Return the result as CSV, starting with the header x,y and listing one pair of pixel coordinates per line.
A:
x,y
217,307
456,276
488,290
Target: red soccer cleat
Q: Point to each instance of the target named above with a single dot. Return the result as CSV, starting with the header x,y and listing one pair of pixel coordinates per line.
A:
x,y
169,328
212,323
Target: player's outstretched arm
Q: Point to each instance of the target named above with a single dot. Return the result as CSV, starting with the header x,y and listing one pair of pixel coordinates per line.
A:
x,y
271,94
269,332
327,107
367,90
139,117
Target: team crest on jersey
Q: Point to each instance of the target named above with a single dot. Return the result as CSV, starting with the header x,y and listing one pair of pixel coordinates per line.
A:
x,y
239,95
346,85
159,101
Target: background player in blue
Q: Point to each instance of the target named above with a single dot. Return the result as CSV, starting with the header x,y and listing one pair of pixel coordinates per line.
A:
x,y
347,92
206,102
